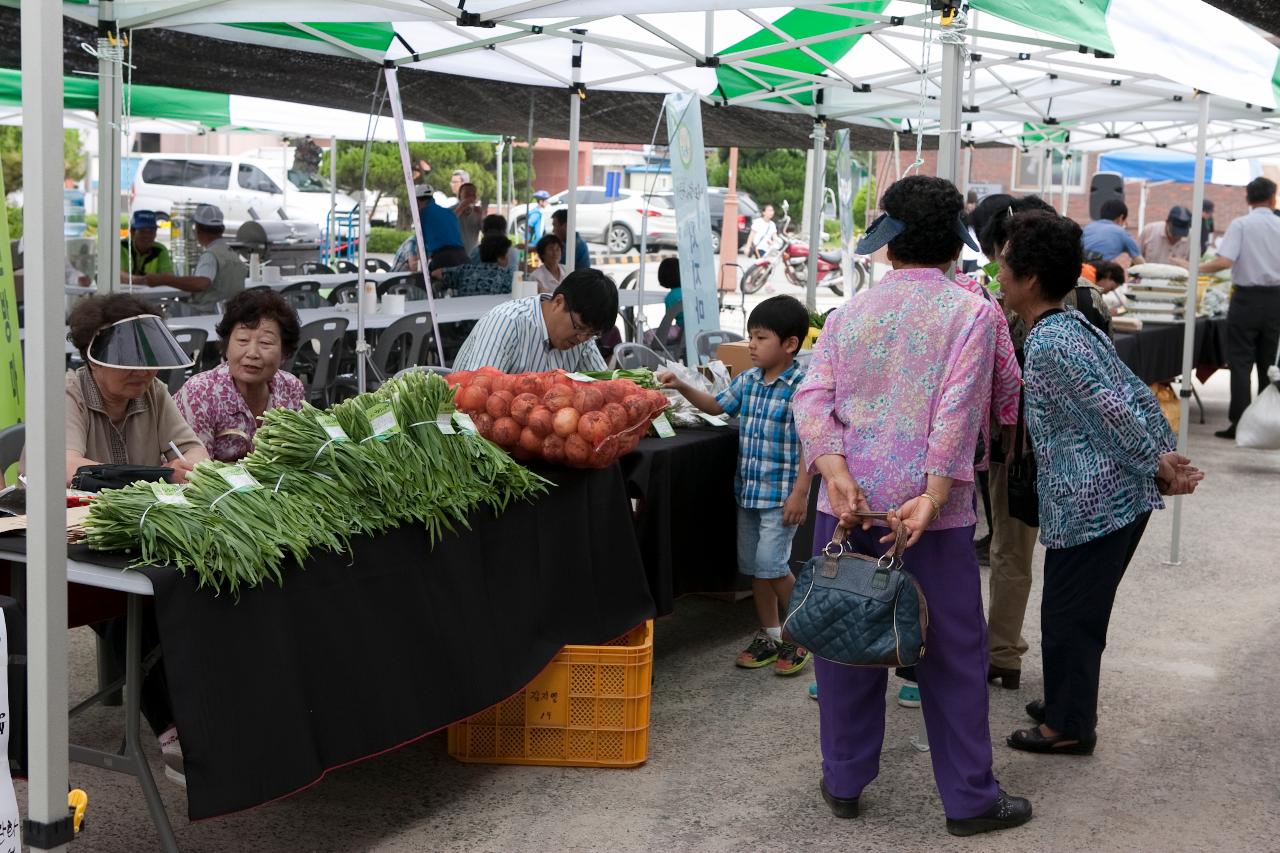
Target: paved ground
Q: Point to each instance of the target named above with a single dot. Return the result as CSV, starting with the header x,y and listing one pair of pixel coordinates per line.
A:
x,y
1187,759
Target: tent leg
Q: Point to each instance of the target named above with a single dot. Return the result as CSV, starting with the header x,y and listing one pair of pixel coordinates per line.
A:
x,y
48,826
949,131
110,63
814,214
575,128
1186,388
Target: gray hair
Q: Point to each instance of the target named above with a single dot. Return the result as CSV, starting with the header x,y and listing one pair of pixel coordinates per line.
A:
x,y
461,173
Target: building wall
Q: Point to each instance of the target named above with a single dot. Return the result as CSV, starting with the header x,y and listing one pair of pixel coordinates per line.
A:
x,y
997,169
551,164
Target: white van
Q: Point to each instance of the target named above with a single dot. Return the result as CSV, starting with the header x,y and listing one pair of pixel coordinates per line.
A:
x,y
235,184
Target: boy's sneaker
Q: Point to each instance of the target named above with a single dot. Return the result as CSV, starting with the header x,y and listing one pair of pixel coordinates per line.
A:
x,y
813,691
909,696
762,652
171,752
791,658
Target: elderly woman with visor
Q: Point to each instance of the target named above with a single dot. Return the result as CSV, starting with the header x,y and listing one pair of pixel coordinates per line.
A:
x,y
118,412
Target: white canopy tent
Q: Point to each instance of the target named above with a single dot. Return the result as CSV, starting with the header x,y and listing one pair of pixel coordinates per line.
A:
x,y
1028,63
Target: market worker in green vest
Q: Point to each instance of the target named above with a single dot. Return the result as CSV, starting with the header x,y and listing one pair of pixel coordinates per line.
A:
x,y
219,273
141,254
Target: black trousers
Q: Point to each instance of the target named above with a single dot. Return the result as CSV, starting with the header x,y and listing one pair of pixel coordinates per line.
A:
x,y
1079,589
1253,335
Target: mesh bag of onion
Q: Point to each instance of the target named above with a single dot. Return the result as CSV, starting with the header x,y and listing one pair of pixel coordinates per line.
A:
x,y
554,417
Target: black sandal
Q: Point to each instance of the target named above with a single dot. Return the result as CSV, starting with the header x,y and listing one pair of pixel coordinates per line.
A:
x,y
1035,710
1009,679
1033,740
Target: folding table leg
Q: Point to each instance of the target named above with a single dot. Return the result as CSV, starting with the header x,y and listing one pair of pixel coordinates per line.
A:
x,y
132,742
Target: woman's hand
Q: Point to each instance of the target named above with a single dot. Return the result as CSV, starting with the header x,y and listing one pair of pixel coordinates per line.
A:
x,y
1176,475
848,501
181,468
916,515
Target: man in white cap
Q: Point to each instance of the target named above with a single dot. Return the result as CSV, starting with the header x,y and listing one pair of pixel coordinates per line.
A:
x,y
219,273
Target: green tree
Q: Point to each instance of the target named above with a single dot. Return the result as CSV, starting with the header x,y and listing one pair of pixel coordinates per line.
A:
x,y
860,202
73,156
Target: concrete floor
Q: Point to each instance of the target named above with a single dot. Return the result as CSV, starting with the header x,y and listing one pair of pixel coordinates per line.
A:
x,y
1187,759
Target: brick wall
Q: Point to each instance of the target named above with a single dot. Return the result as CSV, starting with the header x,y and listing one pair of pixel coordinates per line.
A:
x,y
996,166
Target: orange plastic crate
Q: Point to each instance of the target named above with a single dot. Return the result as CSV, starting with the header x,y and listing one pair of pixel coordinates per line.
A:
x,y
588,708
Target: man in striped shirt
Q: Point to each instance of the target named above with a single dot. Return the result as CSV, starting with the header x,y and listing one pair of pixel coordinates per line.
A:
x,y
545,332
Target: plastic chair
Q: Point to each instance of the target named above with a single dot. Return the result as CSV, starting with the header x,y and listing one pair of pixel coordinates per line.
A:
x,y
192,342
629,283
12,439
402,284
346,293
304,294
315,268
174,309
660,339
707,341
408,342
376,265
346,266
628,356
260,287
320,346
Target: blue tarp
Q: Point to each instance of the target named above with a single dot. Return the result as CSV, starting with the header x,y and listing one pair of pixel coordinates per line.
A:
x,y
1154,166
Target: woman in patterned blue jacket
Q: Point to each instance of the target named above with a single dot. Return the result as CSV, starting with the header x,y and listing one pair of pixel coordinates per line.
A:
x,y
1104,454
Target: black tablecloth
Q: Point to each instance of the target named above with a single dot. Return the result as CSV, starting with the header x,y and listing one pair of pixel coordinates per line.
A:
x,y
686,518
1155,352
352,657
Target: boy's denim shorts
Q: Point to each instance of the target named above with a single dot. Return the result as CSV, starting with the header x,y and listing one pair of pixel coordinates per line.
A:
x,y
764,543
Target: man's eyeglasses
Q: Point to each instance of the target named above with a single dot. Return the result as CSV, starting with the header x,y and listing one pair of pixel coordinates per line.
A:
x,y
582,332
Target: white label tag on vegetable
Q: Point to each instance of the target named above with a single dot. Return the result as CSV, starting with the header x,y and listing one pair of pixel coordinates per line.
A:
x,y
444,423
580,377
663,426
712,419
238,478
169,493
331,426
463,420
383,421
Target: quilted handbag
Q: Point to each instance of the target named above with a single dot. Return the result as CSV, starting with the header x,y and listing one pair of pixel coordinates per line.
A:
x,y
858,610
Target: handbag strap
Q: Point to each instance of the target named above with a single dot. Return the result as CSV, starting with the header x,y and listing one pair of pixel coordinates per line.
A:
x,y
838,537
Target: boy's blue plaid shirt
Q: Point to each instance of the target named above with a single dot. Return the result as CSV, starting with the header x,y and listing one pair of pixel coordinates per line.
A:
x,y
768,447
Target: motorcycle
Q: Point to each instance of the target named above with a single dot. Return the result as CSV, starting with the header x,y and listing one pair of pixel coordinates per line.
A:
x,y
794,257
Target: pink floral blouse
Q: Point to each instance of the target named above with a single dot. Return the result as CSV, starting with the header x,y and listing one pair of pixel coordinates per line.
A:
x,y
212,404
1006,383
900,385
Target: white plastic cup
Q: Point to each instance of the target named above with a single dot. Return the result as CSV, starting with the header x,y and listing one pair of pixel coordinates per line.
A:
x,y
393,303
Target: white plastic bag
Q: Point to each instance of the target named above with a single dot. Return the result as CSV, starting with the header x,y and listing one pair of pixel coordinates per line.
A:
x,y
1259,426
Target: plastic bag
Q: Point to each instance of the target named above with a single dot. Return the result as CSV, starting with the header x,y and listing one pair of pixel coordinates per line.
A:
x,y
1259,426
554,417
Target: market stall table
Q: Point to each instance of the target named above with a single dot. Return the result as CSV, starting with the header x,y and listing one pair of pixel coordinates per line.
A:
x,y
358,654
1154,353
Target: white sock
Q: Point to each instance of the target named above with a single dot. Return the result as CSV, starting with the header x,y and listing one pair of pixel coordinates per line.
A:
x,y
775,634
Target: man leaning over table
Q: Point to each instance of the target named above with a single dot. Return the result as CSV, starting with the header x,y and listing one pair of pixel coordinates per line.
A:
x,y
545,332
1250,248
219,273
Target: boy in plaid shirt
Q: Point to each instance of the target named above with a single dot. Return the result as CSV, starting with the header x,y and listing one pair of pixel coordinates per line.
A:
x,y
772,482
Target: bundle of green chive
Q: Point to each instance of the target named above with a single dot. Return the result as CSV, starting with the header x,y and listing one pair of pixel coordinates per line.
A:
x,y
314,479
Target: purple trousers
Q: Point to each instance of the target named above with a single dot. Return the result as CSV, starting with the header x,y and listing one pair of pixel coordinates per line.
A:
x,y
952,677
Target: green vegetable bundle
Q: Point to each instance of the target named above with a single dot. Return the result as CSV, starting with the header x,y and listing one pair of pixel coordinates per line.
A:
x,y
642,376
313,479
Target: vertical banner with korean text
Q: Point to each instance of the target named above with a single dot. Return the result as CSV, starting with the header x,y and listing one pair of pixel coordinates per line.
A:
x,y
693,218
11,375
844,192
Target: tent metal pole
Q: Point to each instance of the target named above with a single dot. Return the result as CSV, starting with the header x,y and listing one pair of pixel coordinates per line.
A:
x,y
333,199
397,111
576,94
497,155
1142,205
511,174
814,214
48,827
1189,322
110,96
952,96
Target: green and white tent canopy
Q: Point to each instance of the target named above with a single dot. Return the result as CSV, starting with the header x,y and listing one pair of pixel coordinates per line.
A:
x,y
162,109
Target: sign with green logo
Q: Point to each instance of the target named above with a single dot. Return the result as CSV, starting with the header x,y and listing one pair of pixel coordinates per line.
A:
x,y
11,375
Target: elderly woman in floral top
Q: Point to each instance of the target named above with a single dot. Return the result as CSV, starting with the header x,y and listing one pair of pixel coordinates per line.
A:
x,y
889,414
258,330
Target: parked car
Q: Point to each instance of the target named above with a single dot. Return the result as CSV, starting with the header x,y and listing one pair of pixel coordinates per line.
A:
x,y
616,222
748,210
235,184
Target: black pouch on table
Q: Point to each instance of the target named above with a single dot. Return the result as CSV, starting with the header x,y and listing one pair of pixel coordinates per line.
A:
x,y
95,478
